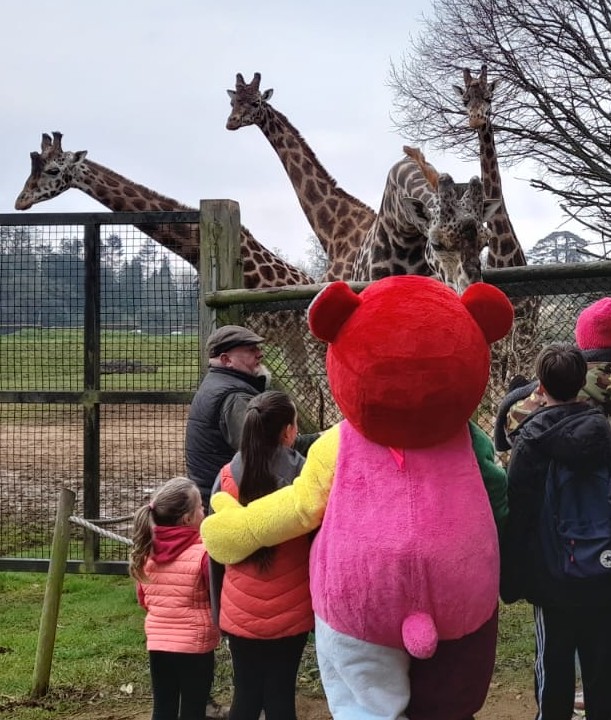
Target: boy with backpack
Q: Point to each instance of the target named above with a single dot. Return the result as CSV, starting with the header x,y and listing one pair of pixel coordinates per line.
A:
x,y
556,549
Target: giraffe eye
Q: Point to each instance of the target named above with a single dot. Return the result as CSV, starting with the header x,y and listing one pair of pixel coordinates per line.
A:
x,y
436,247
52,171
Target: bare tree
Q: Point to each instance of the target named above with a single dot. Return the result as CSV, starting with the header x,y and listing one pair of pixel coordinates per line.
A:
x,y
317,262
552,104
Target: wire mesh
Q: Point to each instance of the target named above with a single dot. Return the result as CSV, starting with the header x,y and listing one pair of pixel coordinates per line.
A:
x,y
139,364
142,369
545,312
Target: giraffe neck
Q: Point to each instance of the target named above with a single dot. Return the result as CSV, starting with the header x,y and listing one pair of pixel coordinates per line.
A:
x,y
393,245
504,249
119,194
339,220
260,266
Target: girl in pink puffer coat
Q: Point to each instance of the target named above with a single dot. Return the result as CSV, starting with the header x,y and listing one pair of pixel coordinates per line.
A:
x,y
170,563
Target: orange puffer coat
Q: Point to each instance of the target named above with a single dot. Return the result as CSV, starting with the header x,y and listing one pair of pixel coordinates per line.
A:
x,y
272,603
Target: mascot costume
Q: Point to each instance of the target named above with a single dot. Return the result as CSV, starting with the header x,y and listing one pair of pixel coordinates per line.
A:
x,y
404,492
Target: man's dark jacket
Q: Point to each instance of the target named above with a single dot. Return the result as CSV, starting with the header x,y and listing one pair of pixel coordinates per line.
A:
x,y
206,450
578,436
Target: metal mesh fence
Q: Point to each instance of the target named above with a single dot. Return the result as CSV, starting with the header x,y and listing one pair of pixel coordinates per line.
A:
x,y
99,358
546,310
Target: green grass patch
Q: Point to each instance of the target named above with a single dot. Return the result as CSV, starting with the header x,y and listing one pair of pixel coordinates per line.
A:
x,y
516,644
53,360
99,642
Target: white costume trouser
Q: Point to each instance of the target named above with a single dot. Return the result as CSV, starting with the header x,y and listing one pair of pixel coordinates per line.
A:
x,y
362,681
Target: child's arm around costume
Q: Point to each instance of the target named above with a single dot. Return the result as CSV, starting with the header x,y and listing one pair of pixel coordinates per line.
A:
x,y
495,479
234,532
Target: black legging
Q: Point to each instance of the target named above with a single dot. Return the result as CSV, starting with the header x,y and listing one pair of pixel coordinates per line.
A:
x,y
181,681
264,677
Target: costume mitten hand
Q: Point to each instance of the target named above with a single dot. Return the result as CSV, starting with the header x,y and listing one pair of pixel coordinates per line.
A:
x,y
226,533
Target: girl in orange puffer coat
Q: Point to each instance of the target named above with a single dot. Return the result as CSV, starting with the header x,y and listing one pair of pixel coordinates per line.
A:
x,y
265,603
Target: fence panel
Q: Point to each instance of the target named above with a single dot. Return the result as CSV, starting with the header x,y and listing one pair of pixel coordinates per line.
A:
x,y
557,294
99,359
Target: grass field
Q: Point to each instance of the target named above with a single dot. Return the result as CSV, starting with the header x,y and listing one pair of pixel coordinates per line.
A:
x,y
53,360
100,656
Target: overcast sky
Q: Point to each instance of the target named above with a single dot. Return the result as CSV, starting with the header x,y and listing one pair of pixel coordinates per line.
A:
x,y
141,85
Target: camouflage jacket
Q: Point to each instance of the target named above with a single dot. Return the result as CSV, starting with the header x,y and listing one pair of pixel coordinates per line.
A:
x,y
517,405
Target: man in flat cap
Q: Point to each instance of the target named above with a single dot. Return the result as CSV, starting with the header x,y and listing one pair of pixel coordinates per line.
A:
x,y
216,416
214,426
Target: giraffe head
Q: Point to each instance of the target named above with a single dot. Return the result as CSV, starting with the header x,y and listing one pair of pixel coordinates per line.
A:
x,y
451,217
457,234
476,96
246,102
52,172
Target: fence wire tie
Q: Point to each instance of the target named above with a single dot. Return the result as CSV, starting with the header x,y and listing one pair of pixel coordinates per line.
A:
x,y
100,531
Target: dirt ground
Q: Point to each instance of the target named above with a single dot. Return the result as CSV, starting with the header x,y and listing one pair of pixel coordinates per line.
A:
x,y
503,703
140,447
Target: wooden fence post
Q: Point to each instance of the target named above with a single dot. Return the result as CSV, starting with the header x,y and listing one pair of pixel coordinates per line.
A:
x,y
53,593
220,266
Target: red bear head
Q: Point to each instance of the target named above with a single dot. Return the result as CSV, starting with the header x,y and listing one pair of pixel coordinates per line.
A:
x,y
408,359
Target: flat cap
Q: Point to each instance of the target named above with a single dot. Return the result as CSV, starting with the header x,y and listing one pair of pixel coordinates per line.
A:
x,y
230,336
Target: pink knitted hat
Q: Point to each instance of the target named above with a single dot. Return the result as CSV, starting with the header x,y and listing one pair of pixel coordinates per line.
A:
x,y
593,327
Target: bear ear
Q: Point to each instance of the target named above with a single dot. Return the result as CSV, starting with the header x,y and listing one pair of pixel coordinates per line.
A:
x,y
330,309
491,309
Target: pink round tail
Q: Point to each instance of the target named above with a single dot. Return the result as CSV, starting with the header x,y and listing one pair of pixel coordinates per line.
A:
x,y
419,635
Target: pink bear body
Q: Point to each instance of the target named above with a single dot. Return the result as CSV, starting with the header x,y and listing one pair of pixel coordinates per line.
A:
x,y
406,556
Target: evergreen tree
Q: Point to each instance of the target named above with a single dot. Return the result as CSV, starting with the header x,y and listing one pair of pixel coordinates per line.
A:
x,y
131,284
63,285
160,309
559,247
19,279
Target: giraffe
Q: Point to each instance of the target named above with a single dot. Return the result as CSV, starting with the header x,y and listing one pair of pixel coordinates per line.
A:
x,y
53,171
339,220
514,354
426,225
504,249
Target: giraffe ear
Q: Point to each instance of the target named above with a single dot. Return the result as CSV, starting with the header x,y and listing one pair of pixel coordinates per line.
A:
x,y
330,309
267,95
416,211
80,155
490,308
490,207
459,91
231,94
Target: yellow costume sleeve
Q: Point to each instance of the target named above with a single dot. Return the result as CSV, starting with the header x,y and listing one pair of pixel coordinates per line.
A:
x,y
234,532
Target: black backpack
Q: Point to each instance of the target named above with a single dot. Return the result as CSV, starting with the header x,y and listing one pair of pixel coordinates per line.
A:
x,y
575,524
